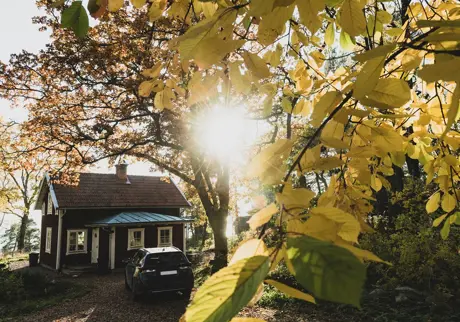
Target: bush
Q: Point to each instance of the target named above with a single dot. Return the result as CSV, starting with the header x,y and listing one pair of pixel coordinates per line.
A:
x,y
11,286
420,258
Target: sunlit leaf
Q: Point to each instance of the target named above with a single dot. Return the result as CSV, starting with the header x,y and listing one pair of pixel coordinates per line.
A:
x,y
226,292
290,291
330,272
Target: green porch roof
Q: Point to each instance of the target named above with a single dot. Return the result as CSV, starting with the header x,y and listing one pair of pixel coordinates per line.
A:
x,y
136,218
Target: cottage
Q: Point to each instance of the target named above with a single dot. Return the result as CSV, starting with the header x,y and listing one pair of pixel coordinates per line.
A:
x,y
107,217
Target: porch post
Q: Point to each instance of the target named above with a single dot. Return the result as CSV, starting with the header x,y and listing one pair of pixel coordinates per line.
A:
x,y
112,249
59,240
184,234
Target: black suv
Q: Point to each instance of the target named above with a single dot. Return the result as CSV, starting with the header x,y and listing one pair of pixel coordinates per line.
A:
x,y
155,270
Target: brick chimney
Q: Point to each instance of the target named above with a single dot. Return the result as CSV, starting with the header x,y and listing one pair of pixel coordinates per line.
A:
x,y
121,170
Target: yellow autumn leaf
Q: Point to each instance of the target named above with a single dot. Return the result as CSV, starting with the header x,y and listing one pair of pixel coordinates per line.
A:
x,y
448,202
376,52
249,248
115,5
362,254
308,12
327,163
446,70
262,216
240,82
156,9
213,49
153,72
325,105
256,65
329,36
350,227
138,3
376,183
453,113
269,164
290,291
319,227
295,198
368,77
164,99
332,135
352,18
433,202
388,93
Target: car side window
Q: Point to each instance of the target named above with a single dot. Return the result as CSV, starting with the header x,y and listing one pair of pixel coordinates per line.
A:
x,y
138,257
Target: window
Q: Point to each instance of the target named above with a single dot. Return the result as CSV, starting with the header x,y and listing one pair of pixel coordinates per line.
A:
x,y
164,236
49,232
76,241
50,205
43,208
135,238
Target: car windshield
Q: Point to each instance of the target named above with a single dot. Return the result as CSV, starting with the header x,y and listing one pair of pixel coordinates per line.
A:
x,y
165,259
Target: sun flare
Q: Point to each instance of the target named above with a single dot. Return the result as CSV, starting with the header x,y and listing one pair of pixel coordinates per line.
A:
x,y
224,132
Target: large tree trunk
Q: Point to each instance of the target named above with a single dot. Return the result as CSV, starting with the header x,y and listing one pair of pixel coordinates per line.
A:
x,y
22,232
218,221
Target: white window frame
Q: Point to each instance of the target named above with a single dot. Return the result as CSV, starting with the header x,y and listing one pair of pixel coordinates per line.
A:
x,y
49,209
132,231
48,239
170,229
85,250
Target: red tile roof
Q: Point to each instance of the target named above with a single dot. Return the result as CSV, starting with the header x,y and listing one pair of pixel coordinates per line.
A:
x,y
100,190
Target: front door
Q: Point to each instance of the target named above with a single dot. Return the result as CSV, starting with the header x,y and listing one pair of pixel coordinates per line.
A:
x,y
104,246
95,246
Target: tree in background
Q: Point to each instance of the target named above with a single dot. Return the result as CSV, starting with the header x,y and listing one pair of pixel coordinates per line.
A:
x,y
9,241
91,99
20,175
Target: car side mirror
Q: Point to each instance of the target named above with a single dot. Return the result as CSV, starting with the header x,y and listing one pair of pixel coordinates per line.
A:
x,y
126,260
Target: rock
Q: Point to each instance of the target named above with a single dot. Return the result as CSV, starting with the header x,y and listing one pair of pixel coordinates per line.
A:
x,y
377,293
411,293
401,298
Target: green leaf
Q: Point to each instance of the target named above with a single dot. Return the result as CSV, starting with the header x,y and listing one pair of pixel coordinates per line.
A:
x,y
225,293
445,230
439,220
326,270
76,18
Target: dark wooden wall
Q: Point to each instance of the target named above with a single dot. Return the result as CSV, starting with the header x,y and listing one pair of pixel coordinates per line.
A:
x,y
77,219
49,221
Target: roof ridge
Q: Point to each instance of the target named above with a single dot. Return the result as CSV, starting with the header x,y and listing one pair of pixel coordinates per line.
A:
x,y
129,175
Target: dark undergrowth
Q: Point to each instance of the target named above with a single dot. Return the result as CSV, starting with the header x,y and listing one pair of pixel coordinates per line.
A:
x,y
31,289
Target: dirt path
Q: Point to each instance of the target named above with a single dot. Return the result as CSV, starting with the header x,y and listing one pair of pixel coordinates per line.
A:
x,y
109,301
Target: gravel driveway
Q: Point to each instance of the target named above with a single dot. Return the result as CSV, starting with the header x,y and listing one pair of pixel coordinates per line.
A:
x,y
109,301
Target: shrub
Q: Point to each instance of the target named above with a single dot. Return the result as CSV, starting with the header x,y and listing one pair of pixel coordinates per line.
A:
x,y
11,286
420,257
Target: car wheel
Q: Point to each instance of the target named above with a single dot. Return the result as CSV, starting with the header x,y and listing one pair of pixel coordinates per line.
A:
x,y
126,283
186,294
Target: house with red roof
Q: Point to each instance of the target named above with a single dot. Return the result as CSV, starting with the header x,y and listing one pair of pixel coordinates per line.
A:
x,y
105,218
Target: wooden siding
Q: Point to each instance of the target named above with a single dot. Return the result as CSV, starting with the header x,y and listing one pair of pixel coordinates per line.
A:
x,y
49,221
76,219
